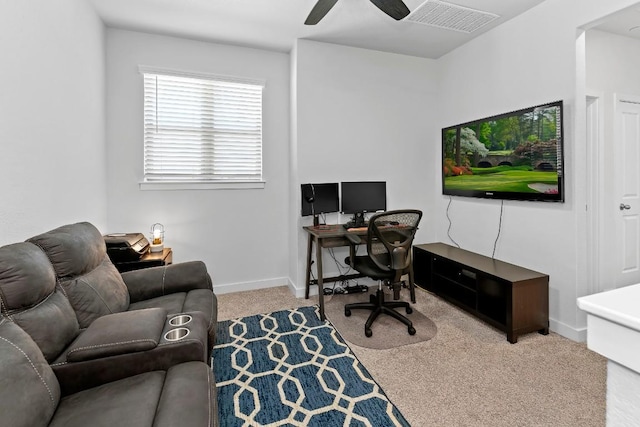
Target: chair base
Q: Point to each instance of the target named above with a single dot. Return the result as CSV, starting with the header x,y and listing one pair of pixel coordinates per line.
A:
x,y
378,305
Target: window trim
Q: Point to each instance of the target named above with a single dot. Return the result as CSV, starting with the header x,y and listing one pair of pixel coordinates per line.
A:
x,y
193,184
201,185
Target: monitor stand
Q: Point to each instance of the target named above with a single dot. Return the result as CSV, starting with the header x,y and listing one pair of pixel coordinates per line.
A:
x,y
356,221
316,220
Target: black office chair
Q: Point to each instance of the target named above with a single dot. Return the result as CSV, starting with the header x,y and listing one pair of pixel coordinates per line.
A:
x,y
389,239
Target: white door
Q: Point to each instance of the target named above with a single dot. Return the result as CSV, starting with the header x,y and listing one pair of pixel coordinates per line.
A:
x,y
627,190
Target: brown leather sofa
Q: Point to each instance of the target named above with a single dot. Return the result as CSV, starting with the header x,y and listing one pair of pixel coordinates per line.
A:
x,y
94,327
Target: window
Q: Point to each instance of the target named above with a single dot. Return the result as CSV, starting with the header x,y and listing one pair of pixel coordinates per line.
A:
x,y
201,129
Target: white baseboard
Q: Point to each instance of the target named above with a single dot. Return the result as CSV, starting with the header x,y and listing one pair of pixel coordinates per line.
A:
x,y
579,335
299,292
250,286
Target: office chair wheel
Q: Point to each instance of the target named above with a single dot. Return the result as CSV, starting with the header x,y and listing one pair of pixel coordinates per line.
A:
x,y
412,330
347,312
368,333
409,310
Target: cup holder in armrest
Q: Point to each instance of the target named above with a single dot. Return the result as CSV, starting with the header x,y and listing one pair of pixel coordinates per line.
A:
x,y
179,320
176,334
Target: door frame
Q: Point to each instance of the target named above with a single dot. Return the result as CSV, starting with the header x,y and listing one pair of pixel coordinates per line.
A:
x,y
594,171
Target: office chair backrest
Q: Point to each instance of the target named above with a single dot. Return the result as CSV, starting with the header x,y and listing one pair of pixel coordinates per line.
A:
x,y
390,236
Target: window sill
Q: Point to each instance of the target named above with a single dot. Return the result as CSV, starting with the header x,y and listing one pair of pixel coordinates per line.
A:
x,y
232,185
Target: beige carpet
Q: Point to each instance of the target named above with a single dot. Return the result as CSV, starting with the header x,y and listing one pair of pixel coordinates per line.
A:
x,y
469,374
387,331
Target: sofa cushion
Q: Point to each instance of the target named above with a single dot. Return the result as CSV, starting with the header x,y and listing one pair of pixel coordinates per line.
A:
x,y
182,396
131,401
28,296
97,293
26,276
85,272
52,325
29,391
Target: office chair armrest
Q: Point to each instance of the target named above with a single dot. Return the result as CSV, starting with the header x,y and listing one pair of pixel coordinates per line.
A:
x,y
354,238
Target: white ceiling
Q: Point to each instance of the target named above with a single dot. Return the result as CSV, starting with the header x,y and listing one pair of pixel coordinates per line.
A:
x,y
276,24
625,23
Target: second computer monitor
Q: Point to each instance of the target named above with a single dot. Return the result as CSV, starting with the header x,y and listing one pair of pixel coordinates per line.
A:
x,y
364,196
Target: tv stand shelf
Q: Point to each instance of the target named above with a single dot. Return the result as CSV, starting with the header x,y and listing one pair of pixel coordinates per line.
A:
x,y
511,298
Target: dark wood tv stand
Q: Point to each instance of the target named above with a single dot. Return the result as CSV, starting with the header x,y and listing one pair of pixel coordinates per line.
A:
x,y
511,298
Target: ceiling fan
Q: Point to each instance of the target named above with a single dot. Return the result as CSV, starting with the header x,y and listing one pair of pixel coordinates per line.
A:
x,y
394,8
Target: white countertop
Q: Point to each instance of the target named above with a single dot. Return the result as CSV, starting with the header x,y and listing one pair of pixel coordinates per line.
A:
x,y
613,325
621,306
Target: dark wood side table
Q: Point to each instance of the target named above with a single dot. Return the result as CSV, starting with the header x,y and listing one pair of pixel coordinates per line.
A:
x,y
150,259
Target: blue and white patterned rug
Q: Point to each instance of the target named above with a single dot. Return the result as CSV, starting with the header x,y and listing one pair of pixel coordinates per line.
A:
x,y
289,368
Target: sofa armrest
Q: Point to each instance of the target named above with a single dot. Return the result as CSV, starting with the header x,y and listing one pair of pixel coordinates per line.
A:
x,y
119,333
158,281
188,397
81,375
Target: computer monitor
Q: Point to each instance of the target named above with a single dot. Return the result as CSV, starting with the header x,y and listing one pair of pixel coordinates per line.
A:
x,y
319,198
363,196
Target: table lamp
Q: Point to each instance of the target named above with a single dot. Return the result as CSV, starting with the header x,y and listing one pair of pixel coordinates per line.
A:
x,y
157,237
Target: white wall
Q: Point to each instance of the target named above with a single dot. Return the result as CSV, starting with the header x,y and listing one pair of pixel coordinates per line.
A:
x,y
612,63
52,117
529,60
240,234
362,115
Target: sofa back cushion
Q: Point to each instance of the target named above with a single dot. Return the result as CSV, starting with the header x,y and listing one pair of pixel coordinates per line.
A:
x,y
29,391
90,281
29,297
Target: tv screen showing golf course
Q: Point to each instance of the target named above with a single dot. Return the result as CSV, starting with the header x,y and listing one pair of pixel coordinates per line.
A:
x,y
517,156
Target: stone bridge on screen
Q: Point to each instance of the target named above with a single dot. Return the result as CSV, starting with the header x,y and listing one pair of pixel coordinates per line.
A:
x,y
509,160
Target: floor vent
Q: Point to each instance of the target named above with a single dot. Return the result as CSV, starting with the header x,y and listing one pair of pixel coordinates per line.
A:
x,y
450,16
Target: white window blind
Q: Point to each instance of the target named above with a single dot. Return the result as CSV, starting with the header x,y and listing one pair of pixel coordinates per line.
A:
x,y
201,129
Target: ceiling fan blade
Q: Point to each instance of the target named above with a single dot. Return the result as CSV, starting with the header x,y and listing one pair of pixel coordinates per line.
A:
x,y
394,8
319,10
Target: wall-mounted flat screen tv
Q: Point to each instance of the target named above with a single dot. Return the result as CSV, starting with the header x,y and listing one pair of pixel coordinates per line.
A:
x,y
516,156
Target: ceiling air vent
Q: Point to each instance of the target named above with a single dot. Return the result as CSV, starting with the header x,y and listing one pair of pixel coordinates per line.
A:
x,y
450,16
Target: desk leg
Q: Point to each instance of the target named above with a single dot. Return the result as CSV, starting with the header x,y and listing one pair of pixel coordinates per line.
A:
x,y
319,271
307,279
412,285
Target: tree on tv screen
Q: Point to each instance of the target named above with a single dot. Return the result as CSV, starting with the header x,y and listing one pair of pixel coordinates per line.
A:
x,y
525,139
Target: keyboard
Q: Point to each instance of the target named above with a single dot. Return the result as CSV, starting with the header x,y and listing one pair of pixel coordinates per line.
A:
x,y
351,224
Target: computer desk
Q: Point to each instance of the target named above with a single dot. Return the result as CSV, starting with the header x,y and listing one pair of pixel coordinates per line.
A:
x,y
326,236
331,236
